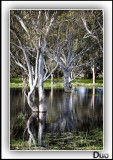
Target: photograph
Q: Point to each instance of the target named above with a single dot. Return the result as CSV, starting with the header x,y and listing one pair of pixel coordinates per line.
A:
x,y
56,79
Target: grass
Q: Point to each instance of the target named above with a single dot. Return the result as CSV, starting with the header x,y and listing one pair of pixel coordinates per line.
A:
x,y
18,83
92,140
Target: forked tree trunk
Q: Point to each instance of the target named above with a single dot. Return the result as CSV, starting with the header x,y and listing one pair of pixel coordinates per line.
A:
x,y
67,83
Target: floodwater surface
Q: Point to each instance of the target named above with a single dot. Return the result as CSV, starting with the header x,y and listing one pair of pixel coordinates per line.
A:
x,y
73,121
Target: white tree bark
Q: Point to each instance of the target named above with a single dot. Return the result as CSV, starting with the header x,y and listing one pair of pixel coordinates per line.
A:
x,y
42,117
42,106
40,46
30,128
51,79
94,74
90,33
41,73
67,84
68,61
32,83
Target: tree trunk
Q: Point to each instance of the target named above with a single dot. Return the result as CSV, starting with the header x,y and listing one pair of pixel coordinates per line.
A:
x,y
68,111
30,97
42,117
30,128
42,107
93,99
31,103
51,79
67,83
94,74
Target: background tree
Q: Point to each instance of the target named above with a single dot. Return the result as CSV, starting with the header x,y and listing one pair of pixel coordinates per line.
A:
x,y
67,46
93,23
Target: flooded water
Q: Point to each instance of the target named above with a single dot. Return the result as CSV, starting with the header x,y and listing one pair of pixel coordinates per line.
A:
x,y
80,111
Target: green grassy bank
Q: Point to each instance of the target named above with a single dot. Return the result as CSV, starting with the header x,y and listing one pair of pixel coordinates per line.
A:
x,y
17,83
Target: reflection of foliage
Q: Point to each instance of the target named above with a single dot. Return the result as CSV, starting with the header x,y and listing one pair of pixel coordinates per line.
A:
x,y
18,129
92,140
20,120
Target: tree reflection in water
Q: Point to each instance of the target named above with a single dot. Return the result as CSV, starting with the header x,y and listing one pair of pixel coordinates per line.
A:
x,y
31,127
80,110
42,118
68,119
39,117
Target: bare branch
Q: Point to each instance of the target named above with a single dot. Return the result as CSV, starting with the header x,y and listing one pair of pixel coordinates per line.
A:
x,y
29,67
50,24
47,68
39,14
22,24
27,61
85,24
91,33
97,20
70,69
77,75
16,45
63,60
17,36
28,51
77,81
82,52
70,47
18,63
51,72
56,59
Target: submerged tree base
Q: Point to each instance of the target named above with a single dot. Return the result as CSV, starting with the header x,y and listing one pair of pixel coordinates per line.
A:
x,y
92,140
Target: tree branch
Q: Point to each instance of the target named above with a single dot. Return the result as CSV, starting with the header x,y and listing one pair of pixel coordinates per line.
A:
x,y
46,68
18,63
51,72
70,47
22,24
51,21
70,69
97,20
16,45
91,33
82,52
77,75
